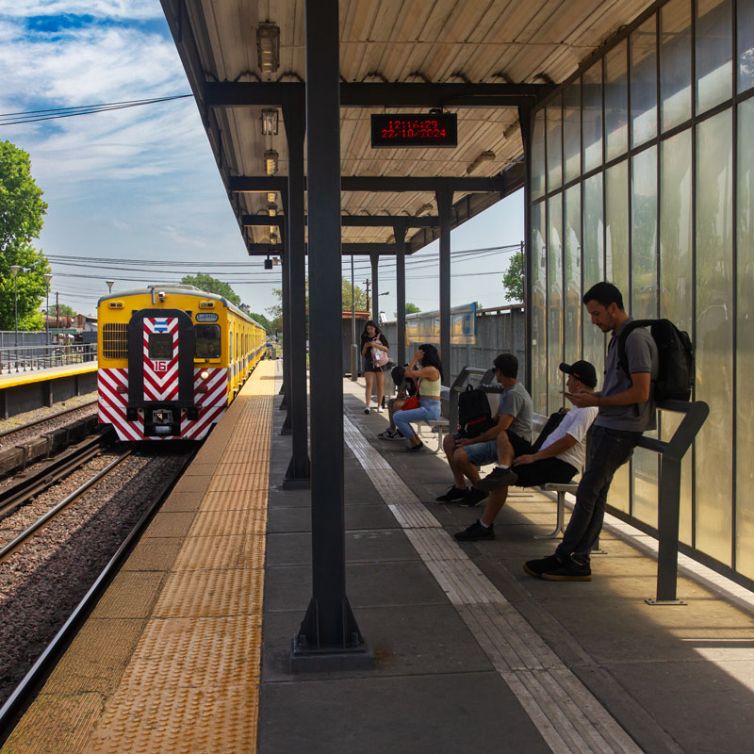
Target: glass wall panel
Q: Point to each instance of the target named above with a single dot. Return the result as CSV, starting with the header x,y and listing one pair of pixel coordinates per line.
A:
x,y
616,227
572,275
644,234
538,276
676,281
572,130
643,45
591,123
554,145
538,155
745,344
745,27
616,100
713,53
554,303
714,334
675,63
594,270
645,463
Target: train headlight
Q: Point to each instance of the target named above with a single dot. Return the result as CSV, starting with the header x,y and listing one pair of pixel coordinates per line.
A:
x,y
204,374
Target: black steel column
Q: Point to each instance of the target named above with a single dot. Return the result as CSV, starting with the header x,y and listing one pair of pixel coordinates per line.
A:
x,y
444,210
297,475
285,304
375,259
524,119
329,637
399,231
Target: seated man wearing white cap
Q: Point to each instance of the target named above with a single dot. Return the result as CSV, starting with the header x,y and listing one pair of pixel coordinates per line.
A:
x,y
559,459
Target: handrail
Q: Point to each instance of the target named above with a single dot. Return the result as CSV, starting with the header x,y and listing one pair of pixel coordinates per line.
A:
x,y
669,493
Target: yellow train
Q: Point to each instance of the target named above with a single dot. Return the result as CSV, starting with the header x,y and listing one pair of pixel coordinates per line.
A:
x,y
171,360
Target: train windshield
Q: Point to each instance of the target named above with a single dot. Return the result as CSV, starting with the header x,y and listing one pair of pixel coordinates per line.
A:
x,y
160,345
207,341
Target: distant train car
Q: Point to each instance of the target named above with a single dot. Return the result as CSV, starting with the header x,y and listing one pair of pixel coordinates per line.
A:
x,y
171,360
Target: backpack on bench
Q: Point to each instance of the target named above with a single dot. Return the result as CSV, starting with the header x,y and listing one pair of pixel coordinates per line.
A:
x,y
474,415
675,375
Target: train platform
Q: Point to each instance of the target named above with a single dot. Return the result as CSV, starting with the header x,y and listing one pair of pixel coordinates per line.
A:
x,y
24,391
187,651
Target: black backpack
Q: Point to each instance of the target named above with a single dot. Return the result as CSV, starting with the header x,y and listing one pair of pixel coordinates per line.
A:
x,y
675,376
552,423
474,415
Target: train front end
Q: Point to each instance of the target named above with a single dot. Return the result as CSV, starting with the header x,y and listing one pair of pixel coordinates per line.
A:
x,y
159,378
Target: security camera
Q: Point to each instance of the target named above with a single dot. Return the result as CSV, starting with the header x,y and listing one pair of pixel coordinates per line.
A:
x,y
161,296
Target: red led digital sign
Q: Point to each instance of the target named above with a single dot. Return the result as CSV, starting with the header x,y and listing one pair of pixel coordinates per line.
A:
x,y
414,130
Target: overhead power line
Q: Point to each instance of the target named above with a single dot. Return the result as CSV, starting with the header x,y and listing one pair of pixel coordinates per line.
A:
x,y
53,113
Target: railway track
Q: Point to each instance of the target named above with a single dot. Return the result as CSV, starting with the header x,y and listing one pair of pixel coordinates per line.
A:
x,y
28,493
55,625
41,479
44,419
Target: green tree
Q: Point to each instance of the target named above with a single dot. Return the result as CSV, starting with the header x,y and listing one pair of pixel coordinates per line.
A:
x,y
21,218
212,285
360,297
412,308
513,280
276,311
262,320
63,309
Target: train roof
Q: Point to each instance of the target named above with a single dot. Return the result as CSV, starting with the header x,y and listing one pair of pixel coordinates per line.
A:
x,y
185,290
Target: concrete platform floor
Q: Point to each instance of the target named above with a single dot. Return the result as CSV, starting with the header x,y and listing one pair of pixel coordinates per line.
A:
x,y
553,666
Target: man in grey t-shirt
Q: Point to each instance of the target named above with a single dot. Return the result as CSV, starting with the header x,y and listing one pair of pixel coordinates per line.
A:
x,y
626,409
466,454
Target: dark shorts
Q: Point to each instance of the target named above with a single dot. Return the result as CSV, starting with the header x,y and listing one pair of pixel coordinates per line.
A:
x,y
541,472
482,453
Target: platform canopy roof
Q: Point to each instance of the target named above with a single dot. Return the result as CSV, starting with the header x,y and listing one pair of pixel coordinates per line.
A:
x,y
482,59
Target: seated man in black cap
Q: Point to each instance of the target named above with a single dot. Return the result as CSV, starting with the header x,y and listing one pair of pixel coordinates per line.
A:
x,y
559,459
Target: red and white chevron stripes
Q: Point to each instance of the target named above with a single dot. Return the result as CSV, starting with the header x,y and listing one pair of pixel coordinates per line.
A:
x,y
161,375
210,398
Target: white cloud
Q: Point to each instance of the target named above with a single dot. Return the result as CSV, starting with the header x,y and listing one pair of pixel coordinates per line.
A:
x,y
130,9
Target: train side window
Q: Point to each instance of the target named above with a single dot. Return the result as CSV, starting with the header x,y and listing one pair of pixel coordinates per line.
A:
x,y
207,341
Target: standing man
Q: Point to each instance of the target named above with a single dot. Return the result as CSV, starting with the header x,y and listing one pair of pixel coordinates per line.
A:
x,y
559,459
514,420
626,409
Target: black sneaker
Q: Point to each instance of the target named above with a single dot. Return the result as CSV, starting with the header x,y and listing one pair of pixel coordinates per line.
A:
x,y
474,532
415,448
537,567
569,571
472,498
496,479
366,410
452,495
390,434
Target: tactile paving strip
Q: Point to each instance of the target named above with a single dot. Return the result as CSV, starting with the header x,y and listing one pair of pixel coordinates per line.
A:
x,y
192,684
565,712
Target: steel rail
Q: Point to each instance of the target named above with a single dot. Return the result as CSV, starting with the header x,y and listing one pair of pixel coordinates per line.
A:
x,y
42,520
18,494
22,694
28,425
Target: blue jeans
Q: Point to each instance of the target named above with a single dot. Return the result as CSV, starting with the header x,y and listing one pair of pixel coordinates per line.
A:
x,y
428,409
607,451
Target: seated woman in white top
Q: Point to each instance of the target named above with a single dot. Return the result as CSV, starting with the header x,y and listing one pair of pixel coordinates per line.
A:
x,y
425,368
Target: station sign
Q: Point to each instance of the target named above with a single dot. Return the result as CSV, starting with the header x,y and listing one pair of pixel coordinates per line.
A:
x,y
414,130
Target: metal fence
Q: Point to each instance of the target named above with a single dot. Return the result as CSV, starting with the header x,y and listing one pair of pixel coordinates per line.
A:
x,y
496,332
29,357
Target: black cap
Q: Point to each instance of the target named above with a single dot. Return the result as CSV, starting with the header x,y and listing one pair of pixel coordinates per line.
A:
x,y
581,370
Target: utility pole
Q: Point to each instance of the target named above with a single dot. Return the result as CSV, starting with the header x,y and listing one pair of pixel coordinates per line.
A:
x,y
57,309
367,283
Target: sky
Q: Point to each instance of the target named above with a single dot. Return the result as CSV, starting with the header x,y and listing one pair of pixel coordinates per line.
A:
x,y
140,183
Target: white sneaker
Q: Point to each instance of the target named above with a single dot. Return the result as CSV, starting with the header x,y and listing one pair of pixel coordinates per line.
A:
x,y
380,410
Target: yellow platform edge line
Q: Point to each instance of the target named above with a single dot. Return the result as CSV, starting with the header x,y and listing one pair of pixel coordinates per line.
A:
x,y
189,679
